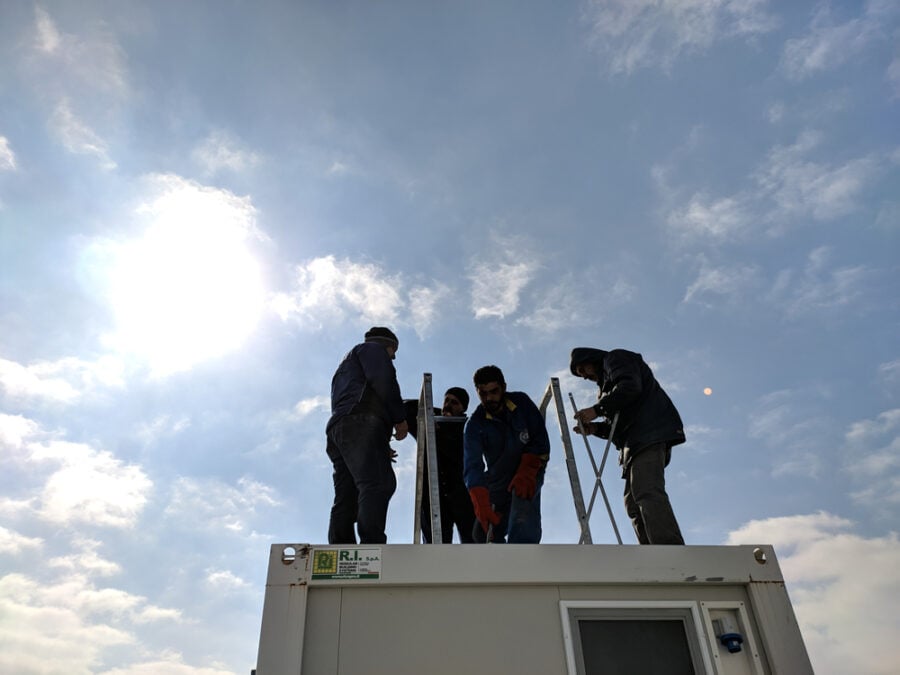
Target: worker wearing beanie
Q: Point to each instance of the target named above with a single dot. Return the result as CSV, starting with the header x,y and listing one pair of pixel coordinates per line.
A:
x,y
456,508
365,406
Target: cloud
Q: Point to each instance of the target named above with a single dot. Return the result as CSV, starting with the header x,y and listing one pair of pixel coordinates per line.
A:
x,y
308,405
7,156
821,287
224,580
802,187
76,136
730,283
83,79
499,274
889,373
14,543
561,305
79,64
784,422
829,44
787,188
222,151
717,218
217,506
328,291
632,34
425,305
84,485
66,624
163,426
63,381
873,461
841,586
893,76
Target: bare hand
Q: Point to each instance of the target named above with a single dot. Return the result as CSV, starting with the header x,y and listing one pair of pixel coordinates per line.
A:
x,y
393,455
589,428
585,415
401,430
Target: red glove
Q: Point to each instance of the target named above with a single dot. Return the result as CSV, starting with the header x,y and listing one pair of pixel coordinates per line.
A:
x,y
524,483
484,512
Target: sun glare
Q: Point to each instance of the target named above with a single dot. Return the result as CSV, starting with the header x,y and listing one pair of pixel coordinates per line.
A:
x,y
189,289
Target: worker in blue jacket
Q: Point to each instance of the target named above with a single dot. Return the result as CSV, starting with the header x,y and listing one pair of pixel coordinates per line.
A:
x,y
506,449
365,406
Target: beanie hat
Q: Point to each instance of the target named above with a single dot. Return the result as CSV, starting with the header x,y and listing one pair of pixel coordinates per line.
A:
x,y
461,394
382,335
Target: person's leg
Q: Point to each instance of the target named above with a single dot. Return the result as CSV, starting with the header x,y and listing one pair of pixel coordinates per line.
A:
x,y
366,451
634,513
525,517
343,511
463,513
648,488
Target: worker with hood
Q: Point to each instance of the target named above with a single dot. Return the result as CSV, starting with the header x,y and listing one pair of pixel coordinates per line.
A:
x,y
647,428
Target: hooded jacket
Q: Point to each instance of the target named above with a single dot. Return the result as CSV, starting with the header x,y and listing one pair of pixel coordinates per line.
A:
x,y
628,387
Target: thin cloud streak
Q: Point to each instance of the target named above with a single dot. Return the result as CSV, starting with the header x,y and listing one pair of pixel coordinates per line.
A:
x,y
634,34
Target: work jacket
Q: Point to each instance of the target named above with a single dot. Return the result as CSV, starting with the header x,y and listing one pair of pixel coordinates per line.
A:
x,y
628,387
499,441
366,382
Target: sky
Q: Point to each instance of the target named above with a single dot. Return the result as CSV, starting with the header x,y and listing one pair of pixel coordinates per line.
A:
x,y
205,204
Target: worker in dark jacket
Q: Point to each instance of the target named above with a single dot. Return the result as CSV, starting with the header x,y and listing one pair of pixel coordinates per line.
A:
x,y
365,405
648,427
456,508
506,451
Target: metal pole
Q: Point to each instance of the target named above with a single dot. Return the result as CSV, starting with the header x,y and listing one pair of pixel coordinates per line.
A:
x,y
599,472
434,493
553,391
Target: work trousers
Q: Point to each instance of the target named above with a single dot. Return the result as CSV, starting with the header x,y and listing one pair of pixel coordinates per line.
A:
x,y
520,519
456,507
646,501
364,480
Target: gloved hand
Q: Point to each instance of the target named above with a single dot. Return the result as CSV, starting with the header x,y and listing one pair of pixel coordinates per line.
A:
x,y
484,512
524,483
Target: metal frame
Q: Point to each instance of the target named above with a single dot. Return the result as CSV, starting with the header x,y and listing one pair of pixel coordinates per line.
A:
x,y
584,515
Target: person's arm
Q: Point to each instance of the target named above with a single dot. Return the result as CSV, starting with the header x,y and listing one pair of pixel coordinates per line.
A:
x,y
381,376
623,371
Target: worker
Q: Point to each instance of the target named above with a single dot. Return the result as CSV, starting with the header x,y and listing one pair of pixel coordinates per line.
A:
x,y
365,405
648,427
506,449
456,508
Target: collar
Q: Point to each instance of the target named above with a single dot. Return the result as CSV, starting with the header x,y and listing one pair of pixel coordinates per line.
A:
x,y
509,406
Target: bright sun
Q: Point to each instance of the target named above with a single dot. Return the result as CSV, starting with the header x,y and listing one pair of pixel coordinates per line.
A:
x,y
189,289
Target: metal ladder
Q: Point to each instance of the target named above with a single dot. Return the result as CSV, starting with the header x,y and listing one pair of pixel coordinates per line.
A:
x,y
584,515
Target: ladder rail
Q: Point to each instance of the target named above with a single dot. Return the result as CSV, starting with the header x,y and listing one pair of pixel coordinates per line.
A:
x,y
426,460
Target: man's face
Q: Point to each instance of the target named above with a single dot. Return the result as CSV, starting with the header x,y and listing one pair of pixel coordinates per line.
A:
x,y
587,370
452,406
491,395
392,351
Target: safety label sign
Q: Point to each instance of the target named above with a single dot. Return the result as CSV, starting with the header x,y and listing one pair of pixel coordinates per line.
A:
x,y
346,563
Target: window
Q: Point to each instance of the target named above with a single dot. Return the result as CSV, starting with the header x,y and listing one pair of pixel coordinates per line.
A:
x,y
634,638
